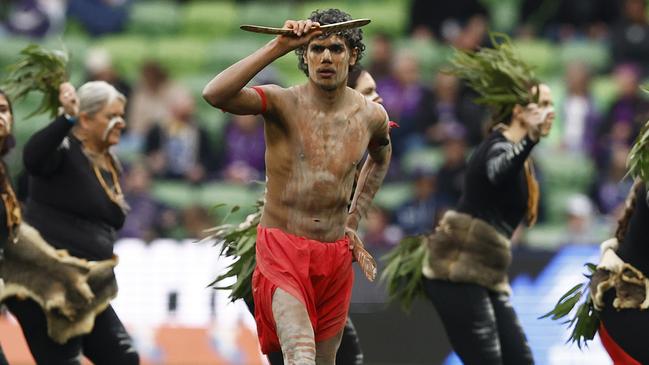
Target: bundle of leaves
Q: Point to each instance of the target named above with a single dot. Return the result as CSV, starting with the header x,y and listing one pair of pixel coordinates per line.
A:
x,y
40,70
498,75
638,160
238,242
585,320
403,272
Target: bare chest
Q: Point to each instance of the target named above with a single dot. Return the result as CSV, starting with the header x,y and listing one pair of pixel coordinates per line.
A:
x,y
334,144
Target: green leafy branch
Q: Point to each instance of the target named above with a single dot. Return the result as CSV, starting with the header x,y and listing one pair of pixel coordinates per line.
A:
x,y
638,160
498,75
403,272
238,242
40,70
585,321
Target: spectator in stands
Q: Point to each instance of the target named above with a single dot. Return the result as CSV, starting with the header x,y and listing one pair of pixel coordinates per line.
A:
x,y
625,117
419,214
449,104
443,20
566,20
34,18
611,187
379,236
450,177
244,149
179,148
630,35
196,220
150,99
578,111
100,16
579,219
472,34
381,55
148,218
99,67
403,96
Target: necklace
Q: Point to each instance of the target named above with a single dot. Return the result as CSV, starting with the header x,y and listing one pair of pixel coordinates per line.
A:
x,y
115,193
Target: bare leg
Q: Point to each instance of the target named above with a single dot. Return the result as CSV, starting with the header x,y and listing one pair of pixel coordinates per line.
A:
x,y
326,350
294,329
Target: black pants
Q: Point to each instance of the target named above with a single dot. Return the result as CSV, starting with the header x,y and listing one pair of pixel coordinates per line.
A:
x,y
628,328
481,325
349,352
107,344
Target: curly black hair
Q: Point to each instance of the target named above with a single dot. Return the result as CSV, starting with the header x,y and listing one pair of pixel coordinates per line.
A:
x,y
353,37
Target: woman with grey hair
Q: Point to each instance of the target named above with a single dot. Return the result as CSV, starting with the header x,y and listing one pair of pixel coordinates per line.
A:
x,y
76,204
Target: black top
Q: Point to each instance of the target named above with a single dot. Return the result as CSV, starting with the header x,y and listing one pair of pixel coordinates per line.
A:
x,y
67,203
634,249
495,188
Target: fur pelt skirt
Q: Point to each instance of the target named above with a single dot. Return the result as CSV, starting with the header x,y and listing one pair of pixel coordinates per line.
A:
x,y
464,249
71,291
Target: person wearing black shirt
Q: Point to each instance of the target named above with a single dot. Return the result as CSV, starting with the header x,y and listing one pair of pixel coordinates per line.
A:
x,y
76,204
466,275
10,210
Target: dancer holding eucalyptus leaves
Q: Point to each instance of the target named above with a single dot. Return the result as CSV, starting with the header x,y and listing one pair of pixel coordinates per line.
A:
x,y
75,207
464,262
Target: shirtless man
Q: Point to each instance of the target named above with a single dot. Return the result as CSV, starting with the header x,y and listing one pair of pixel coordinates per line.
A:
x,y
316,134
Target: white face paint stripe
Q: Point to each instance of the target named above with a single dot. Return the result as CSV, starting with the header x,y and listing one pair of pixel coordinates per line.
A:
x,y
113,122
546,112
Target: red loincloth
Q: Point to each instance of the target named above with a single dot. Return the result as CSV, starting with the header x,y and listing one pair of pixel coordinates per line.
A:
x,y
318,274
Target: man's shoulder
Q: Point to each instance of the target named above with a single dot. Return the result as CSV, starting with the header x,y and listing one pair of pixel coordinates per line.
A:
x,y
377,114
374,110
273,89
280,93
378,111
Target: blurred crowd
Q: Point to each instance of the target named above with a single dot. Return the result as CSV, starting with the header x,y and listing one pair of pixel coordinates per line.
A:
x,y
439,121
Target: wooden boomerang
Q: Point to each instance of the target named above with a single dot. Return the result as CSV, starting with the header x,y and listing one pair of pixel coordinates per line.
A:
x,y
328,28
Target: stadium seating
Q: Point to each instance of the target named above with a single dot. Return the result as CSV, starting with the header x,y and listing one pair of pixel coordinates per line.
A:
x,y
209,19
393,195
154,18
425,158
593,54
540,54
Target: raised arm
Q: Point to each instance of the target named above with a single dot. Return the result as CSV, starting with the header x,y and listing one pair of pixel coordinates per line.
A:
x,y
41,154
506,159
227,90
373,171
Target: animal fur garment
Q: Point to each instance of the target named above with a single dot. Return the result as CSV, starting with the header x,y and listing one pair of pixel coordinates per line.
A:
x,y
464,249
71,291
631,286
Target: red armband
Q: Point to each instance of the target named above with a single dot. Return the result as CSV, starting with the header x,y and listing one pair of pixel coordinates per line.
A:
x,y
374,144
262,94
